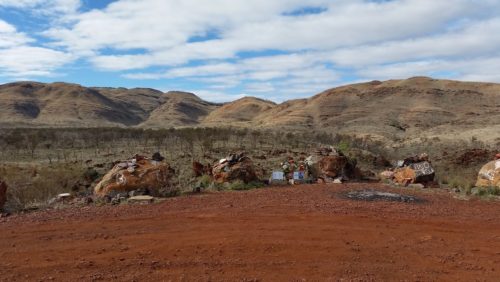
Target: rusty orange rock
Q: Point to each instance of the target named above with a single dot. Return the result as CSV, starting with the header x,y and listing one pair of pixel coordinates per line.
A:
x,y
243,170
144,174
421,172
404,175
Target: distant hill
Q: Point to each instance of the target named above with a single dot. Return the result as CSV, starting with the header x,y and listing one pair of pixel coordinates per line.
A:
x,y
395,109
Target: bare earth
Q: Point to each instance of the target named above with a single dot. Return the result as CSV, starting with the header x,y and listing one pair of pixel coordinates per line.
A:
x,y
308,232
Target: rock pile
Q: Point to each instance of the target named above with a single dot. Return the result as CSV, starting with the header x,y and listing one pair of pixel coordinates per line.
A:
x,y
138,173
330,165
234,167
415,169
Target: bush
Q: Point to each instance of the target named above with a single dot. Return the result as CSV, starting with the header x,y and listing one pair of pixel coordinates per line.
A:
x,y
487,191
344,147
240,185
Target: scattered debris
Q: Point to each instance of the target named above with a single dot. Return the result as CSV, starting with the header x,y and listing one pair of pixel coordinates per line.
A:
x,y
135,174
489,175
3,194
234,167
373,195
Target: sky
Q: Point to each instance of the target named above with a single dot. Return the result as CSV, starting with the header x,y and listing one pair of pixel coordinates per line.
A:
x,y
226,49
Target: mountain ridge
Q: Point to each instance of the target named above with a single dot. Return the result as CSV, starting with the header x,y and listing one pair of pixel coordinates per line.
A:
x,y
392,109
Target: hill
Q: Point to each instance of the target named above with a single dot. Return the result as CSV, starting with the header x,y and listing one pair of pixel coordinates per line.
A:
x,y
391,110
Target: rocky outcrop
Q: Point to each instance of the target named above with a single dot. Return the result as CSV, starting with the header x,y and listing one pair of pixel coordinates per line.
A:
x,y
234,167
332,166
489,175
136,174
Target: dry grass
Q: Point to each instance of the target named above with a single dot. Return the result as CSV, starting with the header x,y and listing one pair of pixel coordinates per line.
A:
x,y
34,185
62,156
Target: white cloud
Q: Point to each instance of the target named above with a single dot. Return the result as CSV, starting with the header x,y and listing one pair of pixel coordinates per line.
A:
x,y
476,69
227,44
44,7
216,96
19,59
27,61
9,37
478,39
162,29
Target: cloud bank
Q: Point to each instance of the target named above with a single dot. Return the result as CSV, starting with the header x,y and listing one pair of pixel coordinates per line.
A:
x,y
273,49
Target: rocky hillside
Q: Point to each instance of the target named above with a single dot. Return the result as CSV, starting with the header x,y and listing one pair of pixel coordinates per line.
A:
x,y
394,109
71,105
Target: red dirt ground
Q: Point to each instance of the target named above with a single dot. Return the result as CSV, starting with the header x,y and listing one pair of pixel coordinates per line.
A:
x,y
300,233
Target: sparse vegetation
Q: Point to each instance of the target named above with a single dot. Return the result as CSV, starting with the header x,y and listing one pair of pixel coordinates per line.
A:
x,y
62,157
240,185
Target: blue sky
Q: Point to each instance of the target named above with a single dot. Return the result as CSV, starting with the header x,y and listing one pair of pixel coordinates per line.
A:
x,y
226,49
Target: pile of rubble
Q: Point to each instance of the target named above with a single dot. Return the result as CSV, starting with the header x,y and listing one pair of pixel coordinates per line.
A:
x,y
151,175
331,166
412,170
234,167
489,175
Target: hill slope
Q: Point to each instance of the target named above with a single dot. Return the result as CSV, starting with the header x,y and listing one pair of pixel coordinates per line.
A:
x,y
398,108
391,110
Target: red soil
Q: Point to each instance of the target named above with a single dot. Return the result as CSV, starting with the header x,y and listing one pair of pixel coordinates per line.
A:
x,y
308,232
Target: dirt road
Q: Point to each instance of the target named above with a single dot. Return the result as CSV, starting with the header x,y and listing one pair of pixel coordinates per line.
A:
x,y
309,232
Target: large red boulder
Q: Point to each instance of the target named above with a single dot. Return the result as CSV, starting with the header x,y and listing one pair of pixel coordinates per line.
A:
x,y
144,174
238,169
332,166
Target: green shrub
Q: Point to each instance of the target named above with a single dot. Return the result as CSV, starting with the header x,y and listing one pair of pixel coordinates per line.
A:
x,y
240,185
489,191
344,146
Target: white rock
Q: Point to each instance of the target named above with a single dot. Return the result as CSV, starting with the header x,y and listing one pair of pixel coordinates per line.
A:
x,y
141,199
63,196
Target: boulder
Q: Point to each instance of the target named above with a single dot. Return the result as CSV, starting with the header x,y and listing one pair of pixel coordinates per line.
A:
x,y
230,169
332,166
3,194
420,172
146,174
489,175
